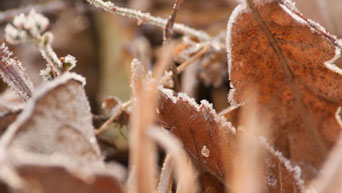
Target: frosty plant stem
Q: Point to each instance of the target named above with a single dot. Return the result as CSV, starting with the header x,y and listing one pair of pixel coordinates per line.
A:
x,y
32,27
14,74
148,18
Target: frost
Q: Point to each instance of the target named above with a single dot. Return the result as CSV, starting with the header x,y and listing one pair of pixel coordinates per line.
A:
x,y
271,181
14,36
292,11
337,115
293,169
70,62
241,8
205,151
205,108
14,74
262,2
67,131
330,63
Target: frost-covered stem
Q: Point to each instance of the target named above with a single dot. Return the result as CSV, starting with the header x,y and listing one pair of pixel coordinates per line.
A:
x,y
14,74
148,18
50,56
32,27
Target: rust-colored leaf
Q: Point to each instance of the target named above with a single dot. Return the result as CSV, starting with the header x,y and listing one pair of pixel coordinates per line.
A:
x,y
212,142
288,60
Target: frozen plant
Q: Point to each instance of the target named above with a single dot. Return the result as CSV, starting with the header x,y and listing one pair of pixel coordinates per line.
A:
x,y
14,74
33,27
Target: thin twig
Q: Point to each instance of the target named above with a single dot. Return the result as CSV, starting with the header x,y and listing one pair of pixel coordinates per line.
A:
x,y
200,53
147,18
170,22
115,115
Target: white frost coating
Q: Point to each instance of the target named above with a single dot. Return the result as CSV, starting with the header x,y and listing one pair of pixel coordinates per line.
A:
x,y
330,63
315,28
262,2
337,116
225,125
13,73
205,151
291,11
48,125
137,71
237,11
293,169
70,61
289,7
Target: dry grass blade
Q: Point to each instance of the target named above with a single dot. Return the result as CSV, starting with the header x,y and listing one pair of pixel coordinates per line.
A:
x,y
170,22
184,171
329,179
165,181
143,150
248,165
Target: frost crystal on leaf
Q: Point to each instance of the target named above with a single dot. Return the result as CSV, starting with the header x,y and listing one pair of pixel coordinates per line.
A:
x,y
64,131
205,151
69,62
14,74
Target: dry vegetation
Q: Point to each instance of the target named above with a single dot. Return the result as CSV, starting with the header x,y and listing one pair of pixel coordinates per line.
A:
x,y
146,109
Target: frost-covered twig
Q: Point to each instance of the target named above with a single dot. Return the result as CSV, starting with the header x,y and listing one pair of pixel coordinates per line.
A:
x,y
14,74
148,18
172,18
32,27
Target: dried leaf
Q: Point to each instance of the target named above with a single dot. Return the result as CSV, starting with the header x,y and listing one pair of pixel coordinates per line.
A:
x,y
44,174
56,121
212,141
289,61
6,119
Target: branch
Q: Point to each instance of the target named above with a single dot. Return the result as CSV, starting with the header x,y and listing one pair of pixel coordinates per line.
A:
x,y
148,18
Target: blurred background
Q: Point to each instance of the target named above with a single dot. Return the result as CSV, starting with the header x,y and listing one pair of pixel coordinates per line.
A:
x,y
105,44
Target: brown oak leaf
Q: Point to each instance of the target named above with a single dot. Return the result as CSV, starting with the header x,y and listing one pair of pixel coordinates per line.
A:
x,y
288,60
212,142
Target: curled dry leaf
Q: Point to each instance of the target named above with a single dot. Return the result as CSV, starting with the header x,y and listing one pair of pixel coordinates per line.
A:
x,y
212,142
288,60
51,147
41,130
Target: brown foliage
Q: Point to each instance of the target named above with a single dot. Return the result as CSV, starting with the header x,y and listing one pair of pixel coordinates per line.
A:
x,y
288,61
